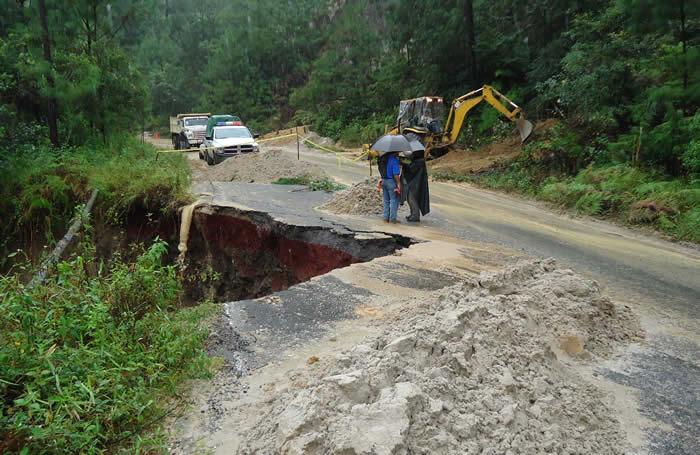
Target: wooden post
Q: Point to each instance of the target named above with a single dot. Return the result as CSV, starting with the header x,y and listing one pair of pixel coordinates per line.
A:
x,y
296,130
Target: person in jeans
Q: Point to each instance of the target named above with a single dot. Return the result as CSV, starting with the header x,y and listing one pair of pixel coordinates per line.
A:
x,y
390,184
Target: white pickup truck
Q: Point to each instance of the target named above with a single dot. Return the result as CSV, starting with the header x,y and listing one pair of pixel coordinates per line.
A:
x,y
188,130
227,140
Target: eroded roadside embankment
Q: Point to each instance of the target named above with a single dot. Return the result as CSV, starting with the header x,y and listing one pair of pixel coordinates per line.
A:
x,y
235,254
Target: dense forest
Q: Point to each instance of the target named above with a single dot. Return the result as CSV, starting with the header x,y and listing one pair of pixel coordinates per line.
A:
x,y
86,357
622,78
621,72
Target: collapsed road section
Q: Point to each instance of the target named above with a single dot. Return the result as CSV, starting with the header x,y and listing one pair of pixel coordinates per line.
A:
x,y
440,348
334,345
234,253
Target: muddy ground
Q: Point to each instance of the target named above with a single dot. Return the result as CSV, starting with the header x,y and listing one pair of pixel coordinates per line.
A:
x,y
461,162
289,343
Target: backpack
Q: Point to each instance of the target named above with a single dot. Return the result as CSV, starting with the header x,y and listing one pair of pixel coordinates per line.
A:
x,y
382,163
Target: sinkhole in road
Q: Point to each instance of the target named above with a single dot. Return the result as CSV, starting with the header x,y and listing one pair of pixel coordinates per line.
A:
x,y
235,254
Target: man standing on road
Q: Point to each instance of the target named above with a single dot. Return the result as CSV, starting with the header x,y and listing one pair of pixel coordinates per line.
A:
x,y
390,184
414,179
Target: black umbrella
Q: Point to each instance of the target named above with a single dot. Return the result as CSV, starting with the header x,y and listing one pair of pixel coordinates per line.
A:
x,y
391,143
416,146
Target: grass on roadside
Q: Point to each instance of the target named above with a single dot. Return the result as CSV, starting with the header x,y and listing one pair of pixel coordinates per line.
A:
x,y
621,192
41,186
88,360
313,182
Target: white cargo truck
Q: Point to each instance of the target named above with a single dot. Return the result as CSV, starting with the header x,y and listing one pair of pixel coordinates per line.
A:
x,y
188,130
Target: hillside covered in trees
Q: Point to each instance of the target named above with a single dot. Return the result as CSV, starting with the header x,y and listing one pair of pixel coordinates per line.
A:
x,y
622,77
90,358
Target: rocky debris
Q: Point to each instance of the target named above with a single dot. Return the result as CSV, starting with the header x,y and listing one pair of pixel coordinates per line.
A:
x,y
477,370
265,166
360,199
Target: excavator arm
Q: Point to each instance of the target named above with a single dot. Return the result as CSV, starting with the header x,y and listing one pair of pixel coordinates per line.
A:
x,y
462,105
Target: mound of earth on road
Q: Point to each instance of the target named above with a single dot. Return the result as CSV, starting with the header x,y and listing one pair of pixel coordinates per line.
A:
x,y
464,162
360,199
481,369
265,166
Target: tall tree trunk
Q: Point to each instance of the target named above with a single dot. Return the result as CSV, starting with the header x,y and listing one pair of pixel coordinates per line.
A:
x,y
468,10
94,20
684,40
52,108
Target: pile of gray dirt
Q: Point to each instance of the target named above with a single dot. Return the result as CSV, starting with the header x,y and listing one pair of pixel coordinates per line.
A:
x,y
360,199
485,368
265,166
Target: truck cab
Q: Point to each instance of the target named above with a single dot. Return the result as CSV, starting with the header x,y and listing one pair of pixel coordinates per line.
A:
x,y
188,130
227,139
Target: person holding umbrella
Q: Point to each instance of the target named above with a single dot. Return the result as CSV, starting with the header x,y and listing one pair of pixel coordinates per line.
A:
x,y
414,180
388,147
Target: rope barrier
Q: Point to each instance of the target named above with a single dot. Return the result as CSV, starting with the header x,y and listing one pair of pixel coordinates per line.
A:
x,y
276,137
178,151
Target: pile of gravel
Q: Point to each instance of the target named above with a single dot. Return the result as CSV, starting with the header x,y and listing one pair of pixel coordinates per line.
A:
x,y
265,166
360,199
483,369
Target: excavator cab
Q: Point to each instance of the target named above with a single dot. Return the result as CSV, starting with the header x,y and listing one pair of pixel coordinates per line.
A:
x,y
421,115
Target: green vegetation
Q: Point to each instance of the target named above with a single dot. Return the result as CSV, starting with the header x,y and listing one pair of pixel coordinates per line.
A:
x,y
41,186
86,357
618,191
598,177
313,182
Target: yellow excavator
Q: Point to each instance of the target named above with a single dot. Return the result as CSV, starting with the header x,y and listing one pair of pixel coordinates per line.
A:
x,y
421,118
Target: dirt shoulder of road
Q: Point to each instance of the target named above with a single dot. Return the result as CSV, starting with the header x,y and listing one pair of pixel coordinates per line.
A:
x,y
461,162
468,167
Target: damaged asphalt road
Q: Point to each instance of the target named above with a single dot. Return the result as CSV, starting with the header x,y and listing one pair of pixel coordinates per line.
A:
x,y
657,376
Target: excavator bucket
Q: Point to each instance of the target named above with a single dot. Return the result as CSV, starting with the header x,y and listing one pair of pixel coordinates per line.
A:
x,y
524,127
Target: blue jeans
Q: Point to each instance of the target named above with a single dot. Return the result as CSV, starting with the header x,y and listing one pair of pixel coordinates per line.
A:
x,y
391,199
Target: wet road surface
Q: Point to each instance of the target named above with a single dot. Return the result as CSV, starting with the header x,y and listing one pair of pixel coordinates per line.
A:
x,y
660,280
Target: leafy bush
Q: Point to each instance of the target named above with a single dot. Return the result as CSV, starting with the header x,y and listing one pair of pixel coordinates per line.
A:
x,y
688,225
351,135
591,203
565,193
691,156
86,360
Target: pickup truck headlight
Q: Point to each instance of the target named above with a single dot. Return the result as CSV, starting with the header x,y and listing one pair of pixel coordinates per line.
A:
x,y
219,149
256,147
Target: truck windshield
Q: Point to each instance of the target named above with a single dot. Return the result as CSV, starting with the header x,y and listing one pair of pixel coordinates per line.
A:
x,y
196,121
226,133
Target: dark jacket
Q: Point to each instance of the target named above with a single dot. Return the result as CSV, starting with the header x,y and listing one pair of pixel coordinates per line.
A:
x,y
414,179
